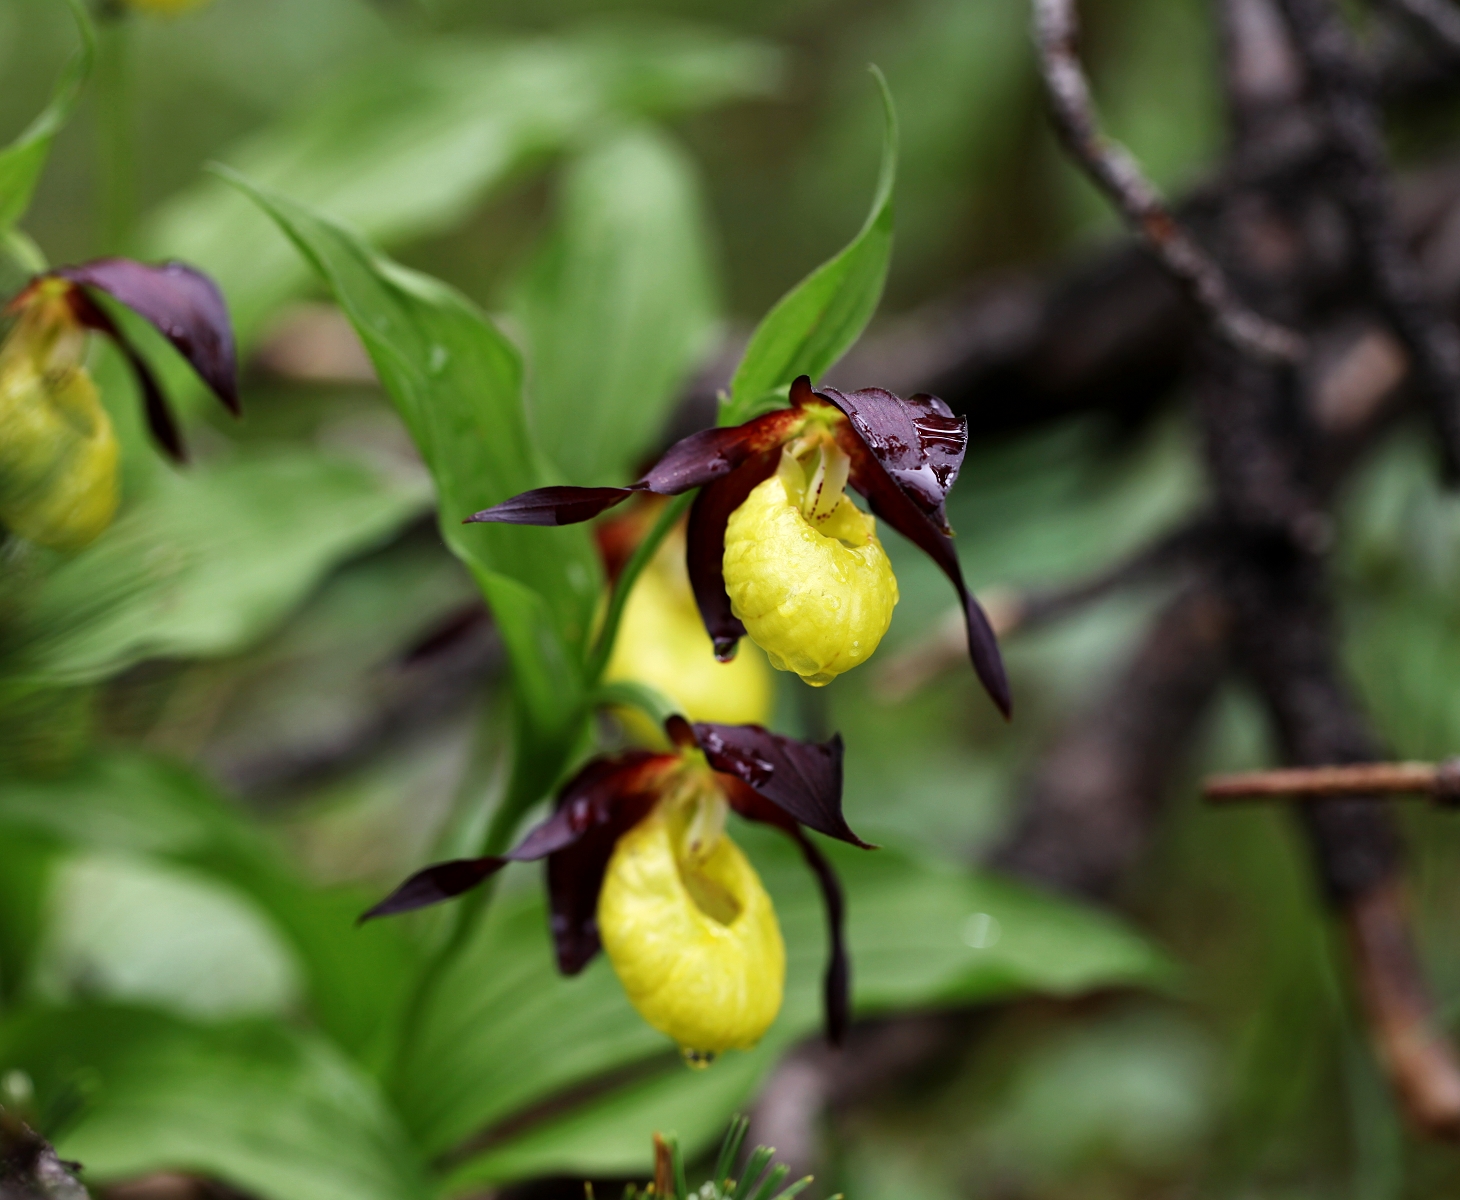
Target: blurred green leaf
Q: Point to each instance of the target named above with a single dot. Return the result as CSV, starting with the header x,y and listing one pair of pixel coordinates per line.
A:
x,y
921,935
22,161
407,146
818,320
273,1111
142,808
207,561
131,929
457,384
618,306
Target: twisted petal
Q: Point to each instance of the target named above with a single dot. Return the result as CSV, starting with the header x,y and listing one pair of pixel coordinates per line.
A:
x,y
705,547
553,506
905,455
601,802
784,782
184,305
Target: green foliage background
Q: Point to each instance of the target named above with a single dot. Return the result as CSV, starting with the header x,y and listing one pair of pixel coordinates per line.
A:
x,y
213,755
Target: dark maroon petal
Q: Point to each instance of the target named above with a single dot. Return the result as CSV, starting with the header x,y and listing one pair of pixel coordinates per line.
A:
x,y
918,441
586,804
159,416
184,305
433,884
680,732
608,806
553,506
705,548
802,779
837,984
713,454
894,505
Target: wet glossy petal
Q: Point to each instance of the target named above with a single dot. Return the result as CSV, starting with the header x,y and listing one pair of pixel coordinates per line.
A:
x,y
917,441
802,779
908,514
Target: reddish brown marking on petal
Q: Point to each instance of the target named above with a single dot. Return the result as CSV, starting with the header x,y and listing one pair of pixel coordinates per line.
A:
x,y
182,304
705,547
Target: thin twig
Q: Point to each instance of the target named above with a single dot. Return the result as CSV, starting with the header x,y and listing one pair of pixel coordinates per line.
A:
x,y
1113,169
1438,19
1345,91
1439,780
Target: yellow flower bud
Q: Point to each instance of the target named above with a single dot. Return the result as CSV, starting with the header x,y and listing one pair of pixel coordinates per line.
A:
x,y
58,451
662,642
814,589
691,932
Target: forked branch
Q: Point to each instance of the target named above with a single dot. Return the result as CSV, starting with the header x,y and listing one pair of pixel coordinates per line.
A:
x,y
1119,176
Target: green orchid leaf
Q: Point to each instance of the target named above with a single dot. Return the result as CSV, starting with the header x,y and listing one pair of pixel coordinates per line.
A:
x,y
139,831
818,320
271,1110
408,146
22,161
618,306
457,384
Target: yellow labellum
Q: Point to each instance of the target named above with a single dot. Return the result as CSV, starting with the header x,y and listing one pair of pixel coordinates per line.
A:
x,y
815,596
662,642
693,937
58,450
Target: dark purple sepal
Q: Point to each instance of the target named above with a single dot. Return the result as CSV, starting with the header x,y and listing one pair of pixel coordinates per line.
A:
x,y
891,503
802,779
712,454
434,884
182,304
589,803
917,440
553,506
160,420
836,984
705,547
604,801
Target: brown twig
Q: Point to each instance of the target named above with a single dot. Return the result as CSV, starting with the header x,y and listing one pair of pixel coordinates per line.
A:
x,y
1345,92
1113,169
1438,780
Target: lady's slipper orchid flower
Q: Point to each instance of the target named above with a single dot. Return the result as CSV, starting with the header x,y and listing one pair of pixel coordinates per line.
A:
x,y
639,863
58,451
777,550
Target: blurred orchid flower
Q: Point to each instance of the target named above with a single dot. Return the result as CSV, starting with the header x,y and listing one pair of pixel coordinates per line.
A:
x,y
58,450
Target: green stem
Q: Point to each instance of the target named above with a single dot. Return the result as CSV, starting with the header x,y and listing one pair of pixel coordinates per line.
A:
x,y
115,130
645,551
